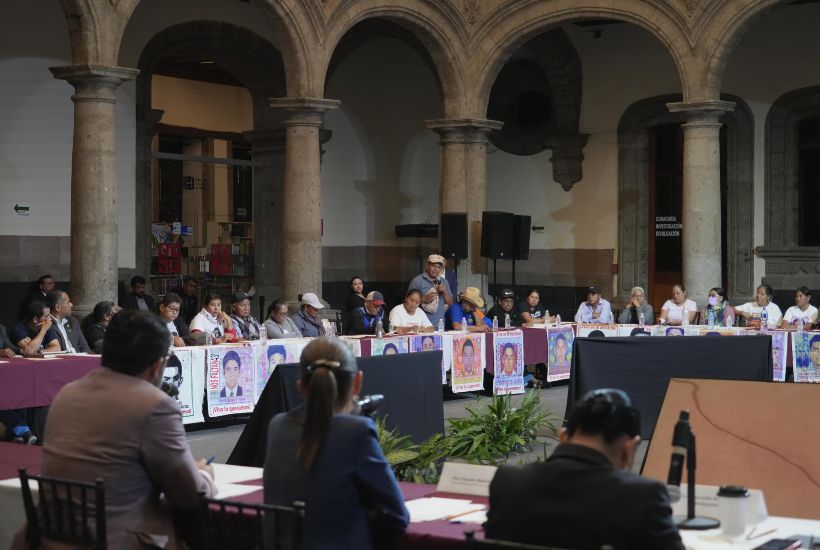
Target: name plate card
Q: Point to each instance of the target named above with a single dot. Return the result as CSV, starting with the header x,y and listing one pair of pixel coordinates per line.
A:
x,y
466,479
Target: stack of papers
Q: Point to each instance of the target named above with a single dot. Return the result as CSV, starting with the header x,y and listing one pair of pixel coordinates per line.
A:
x,y
441,509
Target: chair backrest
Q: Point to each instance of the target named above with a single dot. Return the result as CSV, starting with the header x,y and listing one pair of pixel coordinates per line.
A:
x,y
230,525
491,544
66,511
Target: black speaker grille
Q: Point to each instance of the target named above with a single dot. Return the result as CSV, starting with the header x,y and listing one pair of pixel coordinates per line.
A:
x,y
454,235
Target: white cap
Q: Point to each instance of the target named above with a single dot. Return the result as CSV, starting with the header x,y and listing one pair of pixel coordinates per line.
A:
x,y
310,299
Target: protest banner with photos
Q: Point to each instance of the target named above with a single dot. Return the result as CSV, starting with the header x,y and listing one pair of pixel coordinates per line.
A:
x,y
780,352
432,342
508,356
467,372
273,353
559,352
388,346
230,379
584,330
189,378
806,356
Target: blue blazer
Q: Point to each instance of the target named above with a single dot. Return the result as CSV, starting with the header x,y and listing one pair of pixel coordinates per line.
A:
x,y
349,478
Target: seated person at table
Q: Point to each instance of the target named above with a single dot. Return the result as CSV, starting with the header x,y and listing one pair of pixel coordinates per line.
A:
x,y
66,325
468,308
763,300
212,320
137,298
14,420
330,459
637,305
307,319
718,305
409,317
802,310
584,495
95,323
531,310
35,333
115,423
246,325
363,320
672,311
595,309
278,324
170,313
505,305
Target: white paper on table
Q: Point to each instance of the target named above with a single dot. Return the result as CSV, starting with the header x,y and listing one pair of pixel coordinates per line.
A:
x,y
228,473
438,508
14,483
230,490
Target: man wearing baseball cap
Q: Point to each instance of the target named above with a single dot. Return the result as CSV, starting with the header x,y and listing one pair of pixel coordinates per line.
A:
x,y
595,309
435,290
363,320
505,305
246,325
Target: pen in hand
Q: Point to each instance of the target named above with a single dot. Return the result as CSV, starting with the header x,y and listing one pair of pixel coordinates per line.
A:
x,y
207,462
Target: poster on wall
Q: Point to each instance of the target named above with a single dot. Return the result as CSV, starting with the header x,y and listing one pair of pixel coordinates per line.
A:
x,y
272,354
468,362
559,352
230,379
593,330
433,342
806,356
388,346
508,356
186,370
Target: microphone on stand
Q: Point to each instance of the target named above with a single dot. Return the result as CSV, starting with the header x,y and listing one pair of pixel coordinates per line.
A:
x,y
680,443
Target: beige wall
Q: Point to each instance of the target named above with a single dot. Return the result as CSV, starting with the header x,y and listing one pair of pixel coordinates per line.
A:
x,y
202,105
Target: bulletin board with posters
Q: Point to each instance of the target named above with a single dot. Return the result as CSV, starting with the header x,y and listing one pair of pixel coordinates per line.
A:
x,y
467,373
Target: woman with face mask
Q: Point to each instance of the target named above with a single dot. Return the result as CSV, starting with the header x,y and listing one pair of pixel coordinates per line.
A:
x,y
718,304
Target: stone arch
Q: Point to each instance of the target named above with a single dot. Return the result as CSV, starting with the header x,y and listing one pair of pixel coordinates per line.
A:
x,y
251,59
503,34
633,191
422,27
84,32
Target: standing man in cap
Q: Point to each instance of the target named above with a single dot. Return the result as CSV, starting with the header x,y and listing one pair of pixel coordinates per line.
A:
x,y
595,309
505,305
435,290
364,319
468,309
307,320
247,327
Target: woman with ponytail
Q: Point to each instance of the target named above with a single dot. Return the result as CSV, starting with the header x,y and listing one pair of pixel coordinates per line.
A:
x,y
326,456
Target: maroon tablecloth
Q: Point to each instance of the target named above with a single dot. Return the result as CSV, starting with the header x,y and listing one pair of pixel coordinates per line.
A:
x,y
429,535
35,382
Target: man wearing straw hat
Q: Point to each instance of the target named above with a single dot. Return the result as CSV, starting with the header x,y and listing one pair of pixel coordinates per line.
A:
x,y
468,309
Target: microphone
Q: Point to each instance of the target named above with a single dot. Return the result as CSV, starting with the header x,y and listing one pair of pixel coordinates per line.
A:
x,y
368,404
438,281
680,443
169,388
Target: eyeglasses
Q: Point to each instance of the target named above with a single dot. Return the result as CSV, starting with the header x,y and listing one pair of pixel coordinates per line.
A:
x,y
174,309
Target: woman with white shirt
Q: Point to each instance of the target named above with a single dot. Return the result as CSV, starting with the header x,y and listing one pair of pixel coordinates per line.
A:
x,y
803,310
407,317
212,320
672,310
763,300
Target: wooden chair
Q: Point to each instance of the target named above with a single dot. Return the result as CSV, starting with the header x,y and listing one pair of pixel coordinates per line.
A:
x,y
230,525
490,544
67,511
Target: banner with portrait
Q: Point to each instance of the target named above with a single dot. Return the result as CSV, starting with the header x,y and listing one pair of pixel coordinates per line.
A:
x,y
187,373
272,354
670,330
355,345
468,362
432,342
559,352
230,387
780,353
634,330
508,358
593,330
388,346
806,356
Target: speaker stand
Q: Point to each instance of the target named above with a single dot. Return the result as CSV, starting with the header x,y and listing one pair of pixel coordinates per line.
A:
x,y
513,275
495,277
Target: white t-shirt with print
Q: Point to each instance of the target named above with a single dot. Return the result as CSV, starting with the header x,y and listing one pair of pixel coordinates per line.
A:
x,y
752,307
400,318
794,313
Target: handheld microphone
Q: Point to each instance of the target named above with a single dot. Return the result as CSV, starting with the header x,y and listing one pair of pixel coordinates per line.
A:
x,y
368,404
438,281
169,388
680,443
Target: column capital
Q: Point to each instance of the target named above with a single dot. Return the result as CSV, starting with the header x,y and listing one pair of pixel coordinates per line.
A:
x,y
463,130
304,111
702,113
94,82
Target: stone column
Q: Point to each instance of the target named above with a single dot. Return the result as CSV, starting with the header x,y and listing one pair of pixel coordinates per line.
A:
x,y
701,195
268,174
302,195
94,261
147,122
463,186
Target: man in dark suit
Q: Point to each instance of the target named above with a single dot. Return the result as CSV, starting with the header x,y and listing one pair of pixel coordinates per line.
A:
x,y
584,496
68,329
137,298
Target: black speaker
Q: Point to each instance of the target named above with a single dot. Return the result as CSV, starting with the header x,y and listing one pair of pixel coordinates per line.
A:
x,y
497,235
521,237
454,235
417,230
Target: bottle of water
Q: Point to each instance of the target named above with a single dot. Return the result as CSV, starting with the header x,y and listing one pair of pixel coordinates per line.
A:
x,y
506,320
495,323
801,325
440,325
685,317
379,329
557,319
764,320
710,318
729,320
464,324
641,319
209,338
547,317
263,333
